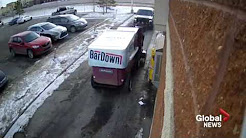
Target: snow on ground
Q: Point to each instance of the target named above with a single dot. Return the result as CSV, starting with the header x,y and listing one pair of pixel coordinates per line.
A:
x,y
25,95
24,118
126,23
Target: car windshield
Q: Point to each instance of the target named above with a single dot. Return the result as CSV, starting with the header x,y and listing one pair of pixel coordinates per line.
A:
x,y
62,9
145,12
48,26
30,37
15,19
73,18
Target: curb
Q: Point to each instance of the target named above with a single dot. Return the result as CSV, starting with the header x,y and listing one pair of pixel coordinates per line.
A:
x,y
168,122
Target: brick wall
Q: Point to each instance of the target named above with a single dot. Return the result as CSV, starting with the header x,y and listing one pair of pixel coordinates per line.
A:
x,y
238,4
209,54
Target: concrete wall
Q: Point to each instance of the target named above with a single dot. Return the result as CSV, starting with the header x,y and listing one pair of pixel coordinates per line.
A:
x,y
161,14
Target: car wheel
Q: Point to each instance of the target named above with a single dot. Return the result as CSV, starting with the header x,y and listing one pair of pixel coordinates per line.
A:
x,y
72,29
30,54
54,39
142,62
93,84
130,84
75,12
12,52
139,63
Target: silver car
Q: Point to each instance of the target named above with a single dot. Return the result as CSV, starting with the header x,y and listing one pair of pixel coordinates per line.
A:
x,y
72,22
51,30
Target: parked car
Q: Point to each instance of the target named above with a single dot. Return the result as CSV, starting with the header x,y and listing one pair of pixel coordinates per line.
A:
x,y
1,23
72,22
24,19
29,43
65,10
144,17
14,21
3,79
51,30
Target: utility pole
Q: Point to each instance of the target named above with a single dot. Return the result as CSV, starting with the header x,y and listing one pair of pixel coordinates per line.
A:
x,y
131,6
93,5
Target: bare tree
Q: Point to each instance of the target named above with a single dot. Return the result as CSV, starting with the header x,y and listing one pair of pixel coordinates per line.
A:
x,y
105,4
18,8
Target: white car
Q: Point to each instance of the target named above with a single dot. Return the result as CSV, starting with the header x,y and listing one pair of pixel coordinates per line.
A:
x,y
23,19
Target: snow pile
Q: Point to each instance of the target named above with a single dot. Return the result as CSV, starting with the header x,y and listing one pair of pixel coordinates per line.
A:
x,y
47,74
139,134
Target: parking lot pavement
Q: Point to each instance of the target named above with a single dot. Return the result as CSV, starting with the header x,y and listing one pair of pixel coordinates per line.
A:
x,y
77,110
14,67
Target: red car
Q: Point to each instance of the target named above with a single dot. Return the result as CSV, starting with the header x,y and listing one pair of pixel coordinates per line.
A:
x,y
29,43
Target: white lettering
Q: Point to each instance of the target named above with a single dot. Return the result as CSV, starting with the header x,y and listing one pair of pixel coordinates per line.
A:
x,y
219,124
106,57
206,118
210,121
198,118
206,124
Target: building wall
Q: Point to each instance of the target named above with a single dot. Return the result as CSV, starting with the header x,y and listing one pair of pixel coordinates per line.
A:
x,y
3,10
27,3
161,14
208,49
9,8
238,4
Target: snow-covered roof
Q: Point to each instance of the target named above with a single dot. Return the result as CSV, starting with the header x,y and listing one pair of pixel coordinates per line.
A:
x,y
113,40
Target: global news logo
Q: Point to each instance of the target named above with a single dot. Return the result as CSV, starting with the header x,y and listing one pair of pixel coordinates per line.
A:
x,y
211,121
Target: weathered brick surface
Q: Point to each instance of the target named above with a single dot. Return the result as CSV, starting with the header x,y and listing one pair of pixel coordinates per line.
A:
x,y
203,32
238,4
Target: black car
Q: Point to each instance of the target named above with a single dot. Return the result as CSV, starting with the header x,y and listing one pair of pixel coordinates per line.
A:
x,y
14,21
1,23
71,22
3,79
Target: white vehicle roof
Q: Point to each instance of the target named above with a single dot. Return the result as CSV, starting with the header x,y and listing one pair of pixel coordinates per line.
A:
x,y
113,40
39,24
146,8
131,29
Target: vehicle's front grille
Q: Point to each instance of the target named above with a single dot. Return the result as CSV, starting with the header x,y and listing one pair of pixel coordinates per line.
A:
x,y
63,34
46,44
144,20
